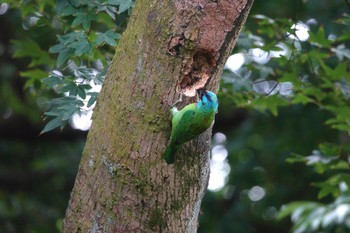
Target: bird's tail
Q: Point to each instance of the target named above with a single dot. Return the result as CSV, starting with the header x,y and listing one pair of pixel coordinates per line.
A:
x,y
169,154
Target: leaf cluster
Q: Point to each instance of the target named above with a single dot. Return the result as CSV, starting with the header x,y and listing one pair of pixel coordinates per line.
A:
x,y
87,32
310,72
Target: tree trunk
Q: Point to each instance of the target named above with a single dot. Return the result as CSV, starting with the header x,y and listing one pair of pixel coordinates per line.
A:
x,y
123,183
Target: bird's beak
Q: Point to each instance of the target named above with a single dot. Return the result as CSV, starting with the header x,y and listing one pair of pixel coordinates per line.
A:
x,y
200,93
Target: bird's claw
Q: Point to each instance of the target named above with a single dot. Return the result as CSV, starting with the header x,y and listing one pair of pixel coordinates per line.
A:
x,y
197,97
177,101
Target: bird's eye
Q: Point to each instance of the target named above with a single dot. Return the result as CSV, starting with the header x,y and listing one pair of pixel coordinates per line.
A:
x,y
208,96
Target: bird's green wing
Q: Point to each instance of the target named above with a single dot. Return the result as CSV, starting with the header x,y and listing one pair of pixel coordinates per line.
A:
x,y
182,131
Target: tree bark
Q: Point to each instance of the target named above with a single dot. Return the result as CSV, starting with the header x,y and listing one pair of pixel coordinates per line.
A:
x,y
123,183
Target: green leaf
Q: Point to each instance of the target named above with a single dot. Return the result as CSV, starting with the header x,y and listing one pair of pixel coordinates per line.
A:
x,y
69,86
341,117
63,56
74,43
62,110
341,51
302,99
295,158
114,2
320,39
108,37
80,47
68,110
64,8
271,103
288,209
98,80
78,41
339,72
53,113
57,48
331,185
52,124
92,99
329,149
33,77
345,21
52,81
326,189
125,5
84,18
84,73
81,92
85,86
29,48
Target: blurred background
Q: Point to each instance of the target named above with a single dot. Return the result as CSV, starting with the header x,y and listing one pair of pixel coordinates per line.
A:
x,y
250,178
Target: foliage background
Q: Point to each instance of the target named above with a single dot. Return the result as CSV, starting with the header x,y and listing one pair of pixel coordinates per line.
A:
x,y
270,141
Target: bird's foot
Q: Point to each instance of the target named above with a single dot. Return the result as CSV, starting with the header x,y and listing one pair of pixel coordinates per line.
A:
x,y
197,97
177,101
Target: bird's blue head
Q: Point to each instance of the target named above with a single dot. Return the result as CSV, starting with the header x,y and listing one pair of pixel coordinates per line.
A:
x,y
208,99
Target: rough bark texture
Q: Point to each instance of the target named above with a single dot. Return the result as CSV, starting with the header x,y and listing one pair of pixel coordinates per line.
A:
x,y
123,183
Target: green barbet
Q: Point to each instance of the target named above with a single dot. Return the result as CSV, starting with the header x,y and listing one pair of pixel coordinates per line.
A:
x,y
190,122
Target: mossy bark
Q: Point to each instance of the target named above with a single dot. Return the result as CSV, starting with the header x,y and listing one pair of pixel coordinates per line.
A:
x,y
123,183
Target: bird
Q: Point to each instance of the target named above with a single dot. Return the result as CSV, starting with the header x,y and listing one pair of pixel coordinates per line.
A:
x,y
191,121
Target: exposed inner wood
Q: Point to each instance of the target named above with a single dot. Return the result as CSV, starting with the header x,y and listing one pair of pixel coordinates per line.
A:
x,y
203,25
